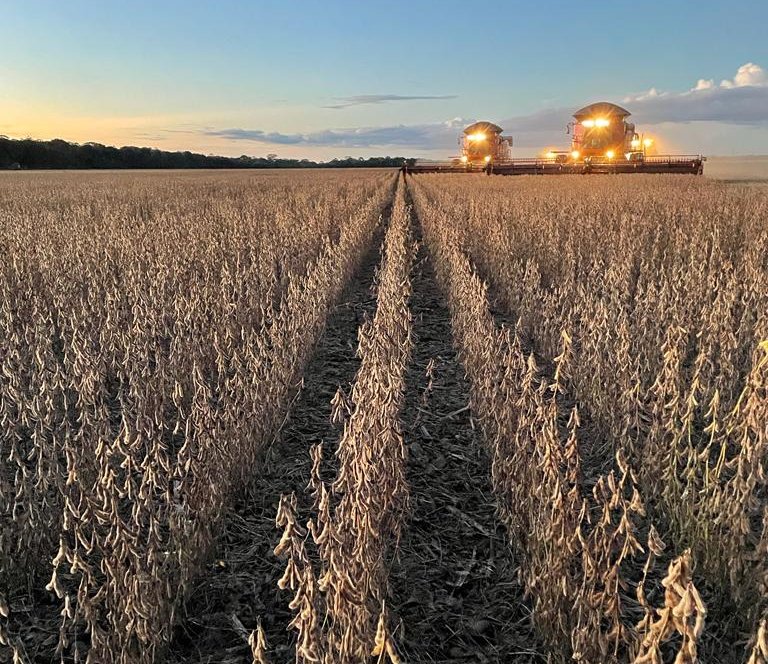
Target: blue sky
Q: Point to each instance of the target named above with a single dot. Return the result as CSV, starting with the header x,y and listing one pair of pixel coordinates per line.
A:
x,y
324,79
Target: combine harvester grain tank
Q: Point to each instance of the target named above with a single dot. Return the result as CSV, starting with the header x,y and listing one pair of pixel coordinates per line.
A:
x,y
603,140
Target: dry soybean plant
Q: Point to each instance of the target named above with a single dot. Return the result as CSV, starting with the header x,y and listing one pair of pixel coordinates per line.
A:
x,y
340,602
578,540
660,281
155,329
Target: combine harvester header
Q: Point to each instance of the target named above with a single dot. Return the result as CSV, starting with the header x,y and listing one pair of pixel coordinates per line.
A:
x,y
603,141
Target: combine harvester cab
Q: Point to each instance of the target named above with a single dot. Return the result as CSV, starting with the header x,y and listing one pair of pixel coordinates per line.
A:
x,y
602,132
480,145
603,141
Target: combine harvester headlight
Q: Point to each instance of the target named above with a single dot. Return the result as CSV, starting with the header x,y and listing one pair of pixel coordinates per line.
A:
x,y
610,154
602,122
479,136
575,154
648,142
464,159
487,158
588,123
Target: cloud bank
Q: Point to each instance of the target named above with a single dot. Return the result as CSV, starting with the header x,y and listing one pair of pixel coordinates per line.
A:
x,y
740,101
428,135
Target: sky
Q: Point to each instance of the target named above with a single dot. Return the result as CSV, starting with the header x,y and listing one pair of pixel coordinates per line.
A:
x,y
330,78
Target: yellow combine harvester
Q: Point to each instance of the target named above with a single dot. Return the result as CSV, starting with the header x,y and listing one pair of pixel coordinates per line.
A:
x,y
482,143
603,141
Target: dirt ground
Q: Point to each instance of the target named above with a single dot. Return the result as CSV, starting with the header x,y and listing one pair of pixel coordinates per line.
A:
x,y
241,586
454,584
454,593
453,596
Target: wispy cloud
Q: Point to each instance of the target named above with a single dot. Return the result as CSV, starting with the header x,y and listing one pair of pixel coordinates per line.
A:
x,y
422,136
738,105
151,136
359,100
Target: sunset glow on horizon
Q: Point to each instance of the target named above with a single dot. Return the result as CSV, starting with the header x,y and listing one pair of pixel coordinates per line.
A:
x,y
321,80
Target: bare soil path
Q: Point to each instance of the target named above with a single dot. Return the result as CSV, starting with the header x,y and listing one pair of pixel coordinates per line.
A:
x,y
454,586
241,583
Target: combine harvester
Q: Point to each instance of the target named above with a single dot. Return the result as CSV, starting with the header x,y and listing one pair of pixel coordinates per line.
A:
x,y
604,141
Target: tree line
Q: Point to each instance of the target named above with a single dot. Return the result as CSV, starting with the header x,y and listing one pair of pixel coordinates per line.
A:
x,y
29,153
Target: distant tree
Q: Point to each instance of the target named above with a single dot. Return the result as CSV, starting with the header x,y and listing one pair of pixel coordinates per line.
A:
x,y
30,153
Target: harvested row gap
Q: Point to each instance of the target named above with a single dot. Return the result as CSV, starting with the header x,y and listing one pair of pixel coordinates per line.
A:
x,y
597,460
454,584
241,584
584,595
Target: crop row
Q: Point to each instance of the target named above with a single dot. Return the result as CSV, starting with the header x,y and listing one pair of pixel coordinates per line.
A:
x,y
340,607
579,537
155,338
658,286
